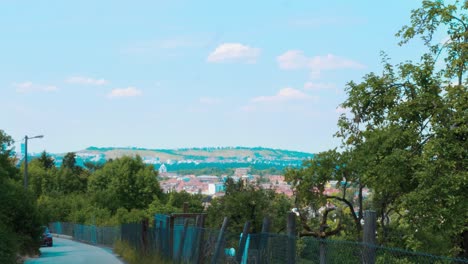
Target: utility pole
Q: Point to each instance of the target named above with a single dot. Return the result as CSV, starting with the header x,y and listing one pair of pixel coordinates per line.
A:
x,y
26,159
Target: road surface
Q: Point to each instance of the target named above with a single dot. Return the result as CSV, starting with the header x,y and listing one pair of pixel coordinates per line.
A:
x,y
71,252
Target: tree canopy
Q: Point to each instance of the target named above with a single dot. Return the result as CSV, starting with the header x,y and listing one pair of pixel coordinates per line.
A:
x,y
405,137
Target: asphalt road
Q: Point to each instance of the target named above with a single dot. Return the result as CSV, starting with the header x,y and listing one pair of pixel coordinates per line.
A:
x,y
71,252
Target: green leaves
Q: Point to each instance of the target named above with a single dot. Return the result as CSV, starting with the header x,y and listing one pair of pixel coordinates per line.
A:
x,y
125,182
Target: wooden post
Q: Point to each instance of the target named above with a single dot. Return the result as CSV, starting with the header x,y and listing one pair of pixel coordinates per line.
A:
x,y
219,242
200,239
262,247
171,237
322,245
291,227
182,241
160,238
370,225
241,250
144,235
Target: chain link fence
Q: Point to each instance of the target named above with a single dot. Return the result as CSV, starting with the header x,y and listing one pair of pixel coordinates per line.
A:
x,y
192,244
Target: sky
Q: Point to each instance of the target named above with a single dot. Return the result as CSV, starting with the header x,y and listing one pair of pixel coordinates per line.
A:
x,y
172,74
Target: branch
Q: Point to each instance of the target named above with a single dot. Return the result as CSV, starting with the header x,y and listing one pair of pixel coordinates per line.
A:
x,y
348,203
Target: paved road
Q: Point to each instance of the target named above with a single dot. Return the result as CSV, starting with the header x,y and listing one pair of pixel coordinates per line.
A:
x,y
71,252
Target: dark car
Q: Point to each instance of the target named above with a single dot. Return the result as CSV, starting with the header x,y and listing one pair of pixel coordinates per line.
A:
x,y
46,237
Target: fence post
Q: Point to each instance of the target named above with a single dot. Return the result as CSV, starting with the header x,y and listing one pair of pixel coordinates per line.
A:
x,y
171,236
182,241
322,246
219,242
241,250
263,245
200,237
291,227
160,238
144,235
370,224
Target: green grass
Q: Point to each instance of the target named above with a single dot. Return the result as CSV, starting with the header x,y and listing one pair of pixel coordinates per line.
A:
x,y
132,256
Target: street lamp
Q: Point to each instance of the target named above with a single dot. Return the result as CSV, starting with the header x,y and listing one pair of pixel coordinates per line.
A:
x,y
26,158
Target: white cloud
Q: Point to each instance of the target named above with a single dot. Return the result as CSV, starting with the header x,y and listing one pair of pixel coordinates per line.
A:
x,y
125,92
295,59
285,94
292,59
29,87
234,52
86,80
319,86
209,100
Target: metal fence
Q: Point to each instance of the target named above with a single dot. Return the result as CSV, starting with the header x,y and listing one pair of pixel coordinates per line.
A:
x,y
105,236
193,244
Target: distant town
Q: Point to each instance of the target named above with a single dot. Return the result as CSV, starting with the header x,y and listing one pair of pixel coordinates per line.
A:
x,y
183,169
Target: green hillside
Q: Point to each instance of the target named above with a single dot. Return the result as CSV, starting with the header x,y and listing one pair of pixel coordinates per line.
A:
x,y
203,154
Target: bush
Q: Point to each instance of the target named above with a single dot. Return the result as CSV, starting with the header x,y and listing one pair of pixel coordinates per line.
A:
x,y
8,245
132,256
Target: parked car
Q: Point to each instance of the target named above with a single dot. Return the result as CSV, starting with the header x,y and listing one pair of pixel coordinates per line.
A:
x,y
47,237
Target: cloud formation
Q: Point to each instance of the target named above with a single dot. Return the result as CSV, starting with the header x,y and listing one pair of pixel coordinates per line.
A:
x,y
125,92
29,87
296,59
285,94
234,52
86,80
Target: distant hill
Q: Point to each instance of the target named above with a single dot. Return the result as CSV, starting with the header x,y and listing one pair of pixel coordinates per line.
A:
x,y
218,154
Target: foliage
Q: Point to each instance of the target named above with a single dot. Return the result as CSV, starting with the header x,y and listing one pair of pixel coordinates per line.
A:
x,y
246,202
409,126
19,218
312,202
124,182
132,256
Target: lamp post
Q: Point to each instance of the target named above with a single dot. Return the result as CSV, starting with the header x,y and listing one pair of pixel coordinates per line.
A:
x,y
26,159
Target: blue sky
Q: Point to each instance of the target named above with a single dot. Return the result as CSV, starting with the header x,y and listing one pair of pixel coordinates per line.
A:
x,y
169,74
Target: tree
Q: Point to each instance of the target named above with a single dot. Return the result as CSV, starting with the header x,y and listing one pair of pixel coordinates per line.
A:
x,y
244,202
311,200
70,178
125,182
409,126
7,170
19,218
46,161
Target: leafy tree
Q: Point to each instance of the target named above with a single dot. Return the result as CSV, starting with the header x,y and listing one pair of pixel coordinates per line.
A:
x,y
46,161
125,182
246,202
7,170
19,218
408,126
177,200
92,167
309,183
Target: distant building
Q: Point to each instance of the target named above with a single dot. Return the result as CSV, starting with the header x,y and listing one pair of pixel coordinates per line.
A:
x,y
162,169
215,188
239,172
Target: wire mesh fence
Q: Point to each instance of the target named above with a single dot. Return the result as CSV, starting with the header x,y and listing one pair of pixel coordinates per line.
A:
x,y
90,234
193,244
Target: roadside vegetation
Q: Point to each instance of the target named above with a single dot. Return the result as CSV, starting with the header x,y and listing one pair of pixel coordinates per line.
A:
x,y
133,256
